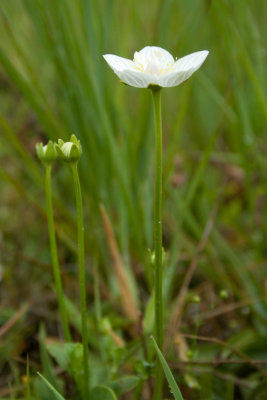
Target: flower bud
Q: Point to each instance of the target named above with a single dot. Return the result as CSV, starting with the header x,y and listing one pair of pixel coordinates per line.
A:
x,y
152,256
195,299
69,151
47,154
224,294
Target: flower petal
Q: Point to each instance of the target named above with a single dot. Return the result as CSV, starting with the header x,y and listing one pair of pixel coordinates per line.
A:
x,y
192,61
137,78
183,69
119,63
153,52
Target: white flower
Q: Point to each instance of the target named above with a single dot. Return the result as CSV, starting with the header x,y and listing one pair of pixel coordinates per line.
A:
x,y
155,66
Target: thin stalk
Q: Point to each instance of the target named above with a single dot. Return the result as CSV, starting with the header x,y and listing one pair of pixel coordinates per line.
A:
x,y
98,312
156,93
82,279
28,393
54,255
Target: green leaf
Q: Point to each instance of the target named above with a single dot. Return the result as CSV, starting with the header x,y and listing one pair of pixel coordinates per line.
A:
x,y
102,393
47,367
125,384
173,385
53,390
100,373
70,357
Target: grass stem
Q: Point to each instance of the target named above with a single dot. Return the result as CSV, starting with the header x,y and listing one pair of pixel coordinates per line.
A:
x,y
156,93
82,279
54,255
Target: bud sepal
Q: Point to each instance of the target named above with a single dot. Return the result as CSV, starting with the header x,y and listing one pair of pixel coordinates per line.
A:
x,y
47,154
69,151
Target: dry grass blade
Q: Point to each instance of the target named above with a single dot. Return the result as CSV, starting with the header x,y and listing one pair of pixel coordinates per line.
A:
x,y
239,353
215,363
176,317
12,321
227,308
224,376
128,302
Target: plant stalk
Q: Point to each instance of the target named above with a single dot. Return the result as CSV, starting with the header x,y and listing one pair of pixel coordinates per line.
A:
x,y
82,279
156,93
54,255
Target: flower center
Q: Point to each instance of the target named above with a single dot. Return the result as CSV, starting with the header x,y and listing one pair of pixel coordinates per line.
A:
x,y
153,60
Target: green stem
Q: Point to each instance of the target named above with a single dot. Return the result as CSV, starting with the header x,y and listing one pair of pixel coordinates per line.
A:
x,y
82,279
98,312
54,254
156,93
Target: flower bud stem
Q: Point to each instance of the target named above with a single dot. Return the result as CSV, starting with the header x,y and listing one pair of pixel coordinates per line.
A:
x,y
82,279
54,254
156,93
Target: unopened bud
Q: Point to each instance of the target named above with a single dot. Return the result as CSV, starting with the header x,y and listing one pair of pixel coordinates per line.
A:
x,y
152,256
224,294
69,151
195,299
47,154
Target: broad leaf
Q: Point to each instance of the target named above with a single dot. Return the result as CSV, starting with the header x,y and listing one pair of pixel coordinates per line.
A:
x,y
70,357
124,385
102,393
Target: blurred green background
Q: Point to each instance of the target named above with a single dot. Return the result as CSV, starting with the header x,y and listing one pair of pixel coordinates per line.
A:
x,y
55,82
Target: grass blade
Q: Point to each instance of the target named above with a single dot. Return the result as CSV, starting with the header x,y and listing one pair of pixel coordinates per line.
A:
x,y
53,390
169,376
